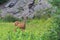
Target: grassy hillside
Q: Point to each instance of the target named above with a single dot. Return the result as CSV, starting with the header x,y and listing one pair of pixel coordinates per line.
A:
x,y
35,30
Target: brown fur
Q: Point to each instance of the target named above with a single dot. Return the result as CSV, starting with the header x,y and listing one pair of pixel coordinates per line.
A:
x,y
20,25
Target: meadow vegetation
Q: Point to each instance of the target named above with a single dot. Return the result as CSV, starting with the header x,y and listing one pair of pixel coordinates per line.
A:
x,y
37,29
43,27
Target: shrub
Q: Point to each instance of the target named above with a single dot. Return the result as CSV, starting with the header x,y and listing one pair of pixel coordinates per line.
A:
x,y
10,18
3,1
45,13
56,3
57,21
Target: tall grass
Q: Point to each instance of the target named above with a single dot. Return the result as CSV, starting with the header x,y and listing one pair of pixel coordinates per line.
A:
x,y
38,29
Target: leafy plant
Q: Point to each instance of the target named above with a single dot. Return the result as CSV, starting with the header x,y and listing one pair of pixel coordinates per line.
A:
x,y
3,1
10,18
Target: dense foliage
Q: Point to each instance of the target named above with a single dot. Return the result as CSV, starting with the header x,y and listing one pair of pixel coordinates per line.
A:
x,y
10,18
56,3
3,1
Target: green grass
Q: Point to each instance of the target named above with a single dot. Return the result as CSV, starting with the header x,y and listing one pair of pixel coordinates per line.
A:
x,y
35,30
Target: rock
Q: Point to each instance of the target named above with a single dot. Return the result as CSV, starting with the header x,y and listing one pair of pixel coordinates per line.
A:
x,y
11,3
19,8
